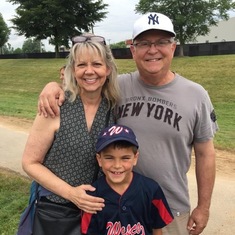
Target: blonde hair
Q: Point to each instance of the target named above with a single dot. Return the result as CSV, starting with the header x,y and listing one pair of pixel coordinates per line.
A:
x,y
110,89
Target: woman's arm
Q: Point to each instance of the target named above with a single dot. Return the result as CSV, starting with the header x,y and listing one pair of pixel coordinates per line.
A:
x,y
39,141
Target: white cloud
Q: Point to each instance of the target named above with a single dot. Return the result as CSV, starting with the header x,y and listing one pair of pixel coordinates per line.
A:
x,y
116,27
119,22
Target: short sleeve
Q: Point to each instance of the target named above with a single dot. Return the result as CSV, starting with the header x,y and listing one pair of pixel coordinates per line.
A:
x,y
160,213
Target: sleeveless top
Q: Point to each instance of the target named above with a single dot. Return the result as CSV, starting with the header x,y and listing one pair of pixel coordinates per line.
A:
x,y
72,154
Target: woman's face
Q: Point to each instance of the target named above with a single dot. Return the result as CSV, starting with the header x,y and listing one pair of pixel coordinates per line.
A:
x,y
90,72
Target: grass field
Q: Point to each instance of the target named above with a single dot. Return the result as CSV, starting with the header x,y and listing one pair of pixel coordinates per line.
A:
x,y
22,80
14,195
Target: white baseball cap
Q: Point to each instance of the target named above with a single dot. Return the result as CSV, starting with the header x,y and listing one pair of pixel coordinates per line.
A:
x,y
152,20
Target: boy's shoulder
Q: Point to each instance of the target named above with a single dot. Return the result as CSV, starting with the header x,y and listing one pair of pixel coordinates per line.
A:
x,y
144,180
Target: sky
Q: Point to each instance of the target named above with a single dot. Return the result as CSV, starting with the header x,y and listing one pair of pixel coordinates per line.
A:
x,y
116,27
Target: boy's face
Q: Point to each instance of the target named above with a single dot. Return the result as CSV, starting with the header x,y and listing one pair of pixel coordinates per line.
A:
x,y
117,164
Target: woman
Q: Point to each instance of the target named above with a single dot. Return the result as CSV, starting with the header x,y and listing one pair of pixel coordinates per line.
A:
x,y
60,151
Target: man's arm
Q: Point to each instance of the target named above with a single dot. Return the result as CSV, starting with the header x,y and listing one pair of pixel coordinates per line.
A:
x,y
51,97
205,175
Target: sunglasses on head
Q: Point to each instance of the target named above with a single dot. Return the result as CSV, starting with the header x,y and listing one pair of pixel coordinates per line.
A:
x,y
81,39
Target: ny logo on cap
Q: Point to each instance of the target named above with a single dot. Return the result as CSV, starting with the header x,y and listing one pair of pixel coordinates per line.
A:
x,y
153,19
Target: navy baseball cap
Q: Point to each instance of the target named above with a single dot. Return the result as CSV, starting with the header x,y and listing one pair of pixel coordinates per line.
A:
x,y
115,133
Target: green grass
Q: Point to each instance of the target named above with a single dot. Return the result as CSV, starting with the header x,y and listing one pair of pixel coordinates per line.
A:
x,y
22,80
14,195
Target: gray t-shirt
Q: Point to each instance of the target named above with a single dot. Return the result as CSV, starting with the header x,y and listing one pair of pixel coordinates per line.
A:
x,y
167,120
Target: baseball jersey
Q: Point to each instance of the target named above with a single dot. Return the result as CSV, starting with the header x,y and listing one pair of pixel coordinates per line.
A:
x,y
167,120
140,209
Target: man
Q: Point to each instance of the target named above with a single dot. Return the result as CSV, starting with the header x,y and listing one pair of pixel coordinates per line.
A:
x,y
170,115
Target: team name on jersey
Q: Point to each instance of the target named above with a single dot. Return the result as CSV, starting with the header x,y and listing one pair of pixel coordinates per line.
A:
x,y
117,229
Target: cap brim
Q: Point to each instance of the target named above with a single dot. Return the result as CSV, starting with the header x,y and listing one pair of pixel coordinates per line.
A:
x,y
108,142
173,34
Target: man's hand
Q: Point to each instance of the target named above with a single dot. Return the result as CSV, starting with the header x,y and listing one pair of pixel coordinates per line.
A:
x,y
198,220
51,97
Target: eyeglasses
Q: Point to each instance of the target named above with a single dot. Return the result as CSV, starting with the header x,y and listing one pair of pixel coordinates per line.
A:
x,y
147,44
80,39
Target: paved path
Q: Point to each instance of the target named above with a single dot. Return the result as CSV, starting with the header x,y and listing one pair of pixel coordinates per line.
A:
x,y
222,212
11,148
222,219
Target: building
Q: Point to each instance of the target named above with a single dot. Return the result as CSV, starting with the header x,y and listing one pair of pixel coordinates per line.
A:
x,y
223,32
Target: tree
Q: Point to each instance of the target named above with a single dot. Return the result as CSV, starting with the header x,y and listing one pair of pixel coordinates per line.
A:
x,y
58,20
121,44
191,18
7,49
4,33
31,46
17,51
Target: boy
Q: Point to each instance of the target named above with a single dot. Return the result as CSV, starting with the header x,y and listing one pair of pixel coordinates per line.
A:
x,y
134,204
62,69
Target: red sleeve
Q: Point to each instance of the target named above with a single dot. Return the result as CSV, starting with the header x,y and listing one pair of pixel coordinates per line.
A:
x,y
161,212
86,220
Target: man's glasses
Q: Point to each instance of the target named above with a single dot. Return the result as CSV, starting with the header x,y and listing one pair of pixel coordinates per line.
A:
x,y
147,44
81,39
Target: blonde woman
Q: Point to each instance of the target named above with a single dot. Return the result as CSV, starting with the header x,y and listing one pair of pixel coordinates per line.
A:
x,y
60,151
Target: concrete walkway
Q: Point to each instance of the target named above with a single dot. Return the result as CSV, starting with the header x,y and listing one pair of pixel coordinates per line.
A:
x,y
11,148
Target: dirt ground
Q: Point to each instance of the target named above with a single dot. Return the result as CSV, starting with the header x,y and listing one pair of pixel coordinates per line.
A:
x,y
222,212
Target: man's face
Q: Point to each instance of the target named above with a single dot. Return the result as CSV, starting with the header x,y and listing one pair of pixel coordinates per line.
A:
x,y
153,51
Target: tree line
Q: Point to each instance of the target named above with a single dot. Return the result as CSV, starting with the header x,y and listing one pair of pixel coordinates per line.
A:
x,y
60,20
